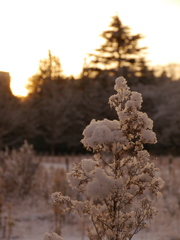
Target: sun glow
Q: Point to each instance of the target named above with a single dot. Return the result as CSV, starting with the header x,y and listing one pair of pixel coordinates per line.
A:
x,y
70,29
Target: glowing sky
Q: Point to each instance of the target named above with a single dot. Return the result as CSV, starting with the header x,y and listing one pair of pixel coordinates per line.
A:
x,y
70,29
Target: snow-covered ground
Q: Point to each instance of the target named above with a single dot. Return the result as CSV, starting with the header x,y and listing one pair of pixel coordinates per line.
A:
x,y
31,220
34,215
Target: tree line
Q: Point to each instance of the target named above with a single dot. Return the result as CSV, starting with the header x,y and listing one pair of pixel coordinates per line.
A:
x,y
57,109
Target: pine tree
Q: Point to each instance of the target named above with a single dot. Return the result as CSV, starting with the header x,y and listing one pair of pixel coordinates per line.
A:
x,y
119,50
119,182
49,96
49,69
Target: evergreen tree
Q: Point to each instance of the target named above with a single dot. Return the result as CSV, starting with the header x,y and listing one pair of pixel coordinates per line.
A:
x,y
49,69
48,94
53,113
119,50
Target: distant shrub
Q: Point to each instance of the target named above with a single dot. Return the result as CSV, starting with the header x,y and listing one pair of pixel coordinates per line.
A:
x,y
17,171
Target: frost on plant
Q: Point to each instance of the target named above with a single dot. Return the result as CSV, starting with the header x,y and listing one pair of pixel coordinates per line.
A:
x,y
17,171
117,190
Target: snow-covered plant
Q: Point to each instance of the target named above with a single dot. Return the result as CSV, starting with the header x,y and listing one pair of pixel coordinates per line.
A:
x,y
18,170
117,191
51,236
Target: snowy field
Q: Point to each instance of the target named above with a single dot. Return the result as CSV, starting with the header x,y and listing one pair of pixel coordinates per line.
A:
x,y
29,218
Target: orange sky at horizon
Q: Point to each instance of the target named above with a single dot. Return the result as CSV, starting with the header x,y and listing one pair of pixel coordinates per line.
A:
x,y
71,28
